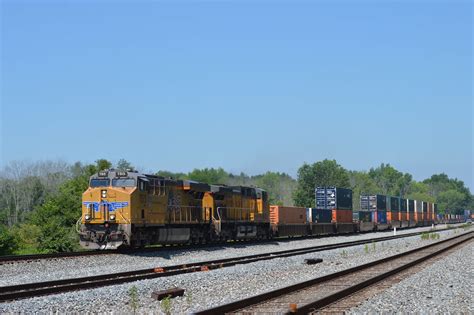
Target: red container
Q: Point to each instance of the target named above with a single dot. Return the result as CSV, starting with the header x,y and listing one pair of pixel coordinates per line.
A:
x,y
418,217
403,216
393,216
287,215
341,216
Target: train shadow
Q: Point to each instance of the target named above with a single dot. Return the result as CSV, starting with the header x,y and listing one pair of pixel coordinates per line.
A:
x,y
170,252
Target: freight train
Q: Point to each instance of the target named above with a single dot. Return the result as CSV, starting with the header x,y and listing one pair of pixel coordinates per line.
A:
x,y
131,209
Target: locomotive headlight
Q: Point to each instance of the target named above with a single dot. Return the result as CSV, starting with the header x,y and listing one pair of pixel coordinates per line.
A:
x,y
87,217
104,193
112,217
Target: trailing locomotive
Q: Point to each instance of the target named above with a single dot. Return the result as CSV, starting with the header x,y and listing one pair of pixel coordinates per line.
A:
x,y
134,209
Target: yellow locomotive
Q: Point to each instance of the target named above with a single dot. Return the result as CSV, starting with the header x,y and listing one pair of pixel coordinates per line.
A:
x,y
131,209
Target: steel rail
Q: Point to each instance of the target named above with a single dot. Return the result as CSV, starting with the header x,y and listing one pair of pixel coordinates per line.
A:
x,y
27,258
20,291
243,306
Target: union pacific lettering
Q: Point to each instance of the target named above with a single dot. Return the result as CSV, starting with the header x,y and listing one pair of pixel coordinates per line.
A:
x,y
113,206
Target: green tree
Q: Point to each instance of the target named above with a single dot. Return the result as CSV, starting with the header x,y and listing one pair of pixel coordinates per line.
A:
x,y
361,183
103,164
278,185
57,217
324,173
390,181
209,175
169,174
123,165
452,201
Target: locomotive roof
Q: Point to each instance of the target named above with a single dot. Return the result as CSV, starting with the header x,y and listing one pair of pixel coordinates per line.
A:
x,y
191,184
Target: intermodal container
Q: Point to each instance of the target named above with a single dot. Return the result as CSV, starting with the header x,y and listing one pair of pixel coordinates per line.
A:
x,y
365,216
418,206
411,205
403,216
333,198
355,216
393,216
373,202
309,215
342,216
393,203
321,215
403,209
431,211
381,217
287,215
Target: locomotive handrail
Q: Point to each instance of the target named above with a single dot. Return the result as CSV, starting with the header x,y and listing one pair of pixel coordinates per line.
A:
x,y
77,225
121,215
219,225
247,217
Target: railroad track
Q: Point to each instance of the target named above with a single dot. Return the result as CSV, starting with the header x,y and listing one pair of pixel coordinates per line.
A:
x,y
21,291
28,258
310,296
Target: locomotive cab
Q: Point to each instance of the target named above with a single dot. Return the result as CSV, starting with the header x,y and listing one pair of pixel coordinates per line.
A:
x,y
106,209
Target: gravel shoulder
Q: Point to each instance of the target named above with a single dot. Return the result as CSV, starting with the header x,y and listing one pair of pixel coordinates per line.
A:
x,y
46,270
445,287
208,289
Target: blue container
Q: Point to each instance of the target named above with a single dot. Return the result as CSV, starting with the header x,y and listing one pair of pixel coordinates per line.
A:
x,y
333,198
381,217
321,215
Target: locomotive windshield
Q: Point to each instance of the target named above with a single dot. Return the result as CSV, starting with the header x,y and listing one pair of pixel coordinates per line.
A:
x,y
99,182
123,182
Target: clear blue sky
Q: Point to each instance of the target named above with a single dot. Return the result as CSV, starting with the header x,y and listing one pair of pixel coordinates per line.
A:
x,y
244,85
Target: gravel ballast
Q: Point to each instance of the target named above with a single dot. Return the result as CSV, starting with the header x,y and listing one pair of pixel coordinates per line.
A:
x,y
46,270
445,287
212,288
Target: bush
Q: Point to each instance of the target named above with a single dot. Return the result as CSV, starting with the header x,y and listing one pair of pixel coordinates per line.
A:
x,y
7,241
58,238
27,238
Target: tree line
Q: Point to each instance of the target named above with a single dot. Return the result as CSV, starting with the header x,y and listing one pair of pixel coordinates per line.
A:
x,y
40,202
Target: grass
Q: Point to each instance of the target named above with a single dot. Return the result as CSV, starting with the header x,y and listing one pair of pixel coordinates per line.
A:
x,y
428,236
166,305
189,298
466,226
133,298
